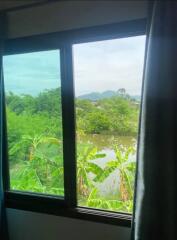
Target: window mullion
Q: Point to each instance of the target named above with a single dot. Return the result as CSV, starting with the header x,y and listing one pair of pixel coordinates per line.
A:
x,y
67,89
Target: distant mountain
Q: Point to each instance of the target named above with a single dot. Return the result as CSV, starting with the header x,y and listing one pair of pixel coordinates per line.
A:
x,y
94,96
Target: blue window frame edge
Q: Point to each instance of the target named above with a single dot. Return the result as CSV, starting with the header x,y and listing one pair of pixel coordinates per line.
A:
x,y
67,206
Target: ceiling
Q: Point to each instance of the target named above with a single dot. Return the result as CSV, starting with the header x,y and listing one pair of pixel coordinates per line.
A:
x,y
6,4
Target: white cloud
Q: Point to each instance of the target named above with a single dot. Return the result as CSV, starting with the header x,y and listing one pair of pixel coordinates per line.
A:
x,y
109,65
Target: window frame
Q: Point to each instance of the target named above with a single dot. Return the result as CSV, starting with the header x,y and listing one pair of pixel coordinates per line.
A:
x,y
63,41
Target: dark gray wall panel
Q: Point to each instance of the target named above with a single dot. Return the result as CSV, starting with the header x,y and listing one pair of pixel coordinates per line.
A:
x,y
25,225
65,15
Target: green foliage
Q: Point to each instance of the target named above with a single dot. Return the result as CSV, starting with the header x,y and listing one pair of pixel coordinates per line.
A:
x,y
35,146
96,201
126,168
43,169
126,172
48,102
85,165
97,122
35,142
116,114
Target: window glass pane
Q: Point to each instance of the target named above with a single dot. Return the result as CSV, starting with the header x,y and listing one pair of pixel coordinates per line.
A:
x,y
34,121
108,79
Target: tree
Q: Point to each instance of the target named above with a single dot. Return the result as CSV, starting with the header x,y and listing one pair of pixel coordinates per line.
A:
x,y
121,91
97,122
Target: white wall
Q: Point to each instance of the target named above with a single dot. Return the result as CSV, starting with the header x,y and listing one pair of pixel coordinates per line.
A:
x,y
60,16
25,225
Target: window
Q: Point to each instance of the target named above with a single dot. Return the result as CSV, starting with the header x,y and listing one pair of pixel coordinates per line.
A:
x,y
108,79
72,103
34,122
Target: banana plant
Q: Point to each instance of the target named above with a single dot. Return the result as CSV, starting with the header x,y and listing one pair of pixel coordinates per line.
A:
x,y
32,142
94,200
126,171
43,166
85,166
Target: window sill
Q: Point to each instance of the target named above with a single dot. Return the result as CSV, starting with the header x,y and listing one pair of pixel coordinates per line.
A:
x,y
57,206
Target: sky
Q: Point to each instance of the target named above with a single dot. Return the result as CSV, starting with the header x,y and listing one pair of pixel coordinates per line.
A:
x,y
98,66
32,73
